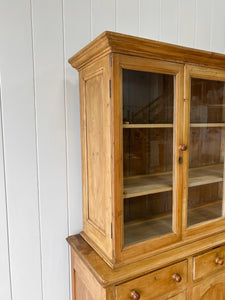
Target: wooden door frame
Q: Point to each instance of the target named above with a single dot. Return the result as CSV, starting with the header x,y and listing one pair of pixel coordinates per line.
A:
x,y
213,226
143,249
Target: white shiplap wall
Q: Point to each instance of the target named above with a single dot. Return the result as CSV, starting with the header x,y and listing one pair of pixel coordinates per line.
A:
x,y
40,166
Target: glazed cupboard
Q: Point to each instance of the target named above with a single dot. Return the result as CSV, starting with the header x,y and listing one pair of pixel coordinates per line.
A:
x,y
153,146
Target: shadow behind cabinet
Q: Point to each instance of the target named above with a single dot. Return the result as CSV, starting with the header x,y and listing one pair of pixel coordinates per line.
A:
x,y
152,131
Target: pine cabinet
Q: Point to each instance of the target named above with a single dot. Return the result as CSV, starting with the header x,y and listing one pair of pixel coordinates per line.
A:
x,y
153,146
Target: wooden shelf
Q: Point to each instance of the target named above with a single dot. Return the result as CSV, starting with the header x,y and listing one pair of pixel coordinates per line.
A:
x,y
205,175
151,184
204,213
148,229
147,125
139,231
199,125
144,185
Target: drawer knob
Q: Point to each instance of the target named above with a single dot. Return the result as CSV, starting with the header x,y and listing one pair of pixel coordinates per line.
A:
x,y
177,277
182,147
219,261
135,295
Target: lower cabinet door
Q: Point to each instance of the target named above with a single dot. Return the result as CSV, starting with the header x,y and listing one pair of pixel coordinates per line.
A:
x,y
210,289
180,296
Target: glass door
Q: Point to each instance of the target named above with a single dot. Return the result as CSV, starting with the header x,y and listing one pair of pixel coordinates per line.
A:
x,y
149,138
206,131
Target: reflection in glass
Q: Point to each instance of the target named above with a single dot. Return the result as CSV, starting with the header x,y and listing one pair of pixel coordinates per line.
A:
x,y
206,151
147,155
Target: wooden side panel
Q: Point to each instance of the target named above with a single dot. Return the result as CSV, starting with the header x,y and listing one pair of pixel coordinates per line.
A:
x,y
85,286
97,146
96,153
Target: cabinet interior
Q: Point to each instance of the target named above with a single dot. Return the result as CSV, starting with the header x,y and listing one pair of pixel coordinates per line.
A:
x,y
148,147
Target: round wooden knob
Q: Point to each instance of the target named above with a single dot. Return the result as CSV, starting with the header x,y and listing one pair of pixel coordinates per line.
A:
x,y
177,277
135,295
182,147
219,261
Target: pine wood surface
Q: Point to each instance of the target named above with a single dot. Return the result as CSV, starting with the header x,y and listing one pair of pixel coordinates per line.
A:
x,y
210,289
109,42
205,264
143,185
107,276
159,282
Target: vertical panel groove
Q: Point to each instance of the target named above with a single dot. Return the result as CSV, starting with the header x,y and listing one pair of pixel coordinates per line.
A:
x,y
139,17
160,19
178,21
91,19
195,38
6,198
115,17
66,141
211,24
36,149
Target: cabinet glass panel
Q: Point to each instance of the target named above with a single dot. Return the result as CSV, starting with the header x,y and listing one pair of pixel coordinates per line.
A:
x,y
148,105
206,151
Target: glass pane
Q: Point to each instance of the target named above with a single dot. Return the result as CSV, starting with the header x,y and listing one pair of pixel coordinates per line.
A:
x,y
147,97
147,155
206,153
147,217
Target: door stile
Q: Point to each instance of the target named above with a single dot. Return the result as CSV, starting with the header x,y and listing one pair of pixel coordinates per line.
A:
x,y
186,135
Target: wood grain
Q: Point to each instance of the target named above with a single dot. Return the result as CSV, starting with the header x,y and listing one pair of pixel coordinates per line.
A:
x,y
159,282
118,43
204,264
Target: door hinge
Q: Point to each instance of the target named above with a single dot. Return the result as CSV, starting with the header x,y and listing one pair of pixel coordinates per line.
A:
x,y
111,58
111,231
110,88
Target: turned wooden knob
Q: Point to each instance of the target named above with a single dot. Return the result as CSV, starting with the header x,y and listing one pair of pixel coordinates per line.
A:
x,y
219,261
177,277
135,295
182,147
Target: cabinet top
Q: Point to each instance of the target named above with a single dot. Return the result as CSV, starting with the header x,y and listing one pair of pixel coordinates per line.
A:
x,y
112,42
107,276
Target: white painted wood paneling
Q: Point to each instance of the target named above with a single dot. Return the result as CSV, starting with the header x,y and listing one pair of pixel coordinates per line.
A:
x,y
203,23
186,28
40,164
102,16
150,19
20,149
5,286
169,21
76,15
218,22
51,145
127,16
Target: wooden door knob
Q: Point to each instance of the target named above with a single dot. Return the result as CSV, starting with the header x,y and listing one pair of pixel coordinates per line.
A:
x,y
177,277
182,147
219,261
135,295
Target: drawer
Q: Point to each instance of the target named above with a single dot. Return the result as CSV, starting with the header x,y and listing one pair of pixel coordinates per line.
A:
x,y
209,262
154,284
